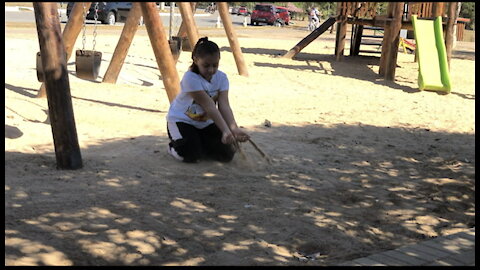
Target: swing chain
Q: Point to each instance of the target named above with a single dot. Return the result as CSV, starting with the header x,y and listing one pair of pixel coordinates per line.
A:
x,y
84,38
95,28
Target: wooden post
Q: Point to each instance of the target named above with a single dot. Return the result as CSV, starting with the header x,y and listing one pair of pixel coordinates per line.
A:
x,y
437,9
340,38
232,38
341,31
182,31
450,29
161,49
392,52
386,40
191,26
60,109
355,49
74,26
70,34
120,53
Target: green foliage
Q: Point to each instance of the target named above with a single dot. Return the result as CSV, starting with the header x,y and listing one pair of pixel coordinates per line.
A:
x,y
467,10
382,8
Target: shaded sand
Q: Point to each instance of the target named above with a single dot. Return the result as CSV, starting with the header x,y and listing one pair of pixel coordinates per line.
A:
x,y
359,165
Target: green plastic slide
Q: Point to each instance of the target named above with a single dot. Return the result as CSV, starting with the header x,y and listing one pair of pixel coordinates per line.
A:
x,y
431,55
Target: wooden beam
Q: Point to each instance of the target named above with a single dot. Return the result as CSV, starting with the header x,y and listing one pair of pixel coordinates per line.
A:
x,y
161,49
70,34
232,38
74,26
392,52
450,29
340,39
191,26
378,21
60,109
120,53
386,39
357,39
182,31
311,37
438,8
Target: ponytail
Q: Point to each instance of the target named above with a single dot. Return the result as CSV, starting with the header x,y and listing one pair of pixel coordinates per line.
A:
x,y
202,48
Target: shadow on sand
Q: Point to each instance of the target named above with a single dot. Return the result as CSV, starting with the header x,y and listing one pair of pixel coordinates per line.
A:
x,y
344,192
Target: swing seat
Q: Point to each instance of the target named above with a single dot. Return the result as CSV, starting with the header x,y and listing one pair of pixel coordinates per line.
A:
x,y
87,64
175,46
186,45
40,74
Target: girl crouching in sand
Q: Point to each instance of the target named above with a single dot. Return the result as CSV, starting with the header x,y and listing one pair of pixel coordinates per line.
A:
x,y
196,127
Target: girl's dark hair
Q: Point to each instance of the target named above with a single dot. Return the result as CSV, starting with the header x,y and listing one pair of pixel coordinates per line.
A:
x,y
202,48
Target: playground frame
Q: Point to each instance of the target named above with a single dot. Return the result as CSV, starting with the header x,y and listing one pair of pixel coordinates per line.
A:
x,y
398,17
54,44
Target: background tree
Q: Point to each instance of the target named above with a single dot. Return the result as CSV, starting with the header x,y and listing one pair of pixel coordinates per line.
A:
x,y
467,10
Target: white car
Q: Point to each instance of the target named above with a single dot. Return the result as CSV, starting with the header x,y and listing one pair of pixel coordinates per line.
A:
x,y
234,10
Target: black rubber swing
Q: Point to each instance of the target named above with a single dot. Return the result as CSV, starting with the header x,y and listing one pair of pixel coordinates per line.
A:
x,y
87,64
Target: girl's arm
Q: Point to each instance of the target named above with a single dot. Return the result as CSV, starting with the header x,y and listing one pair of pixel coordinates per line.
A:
x,y
204,100
227,113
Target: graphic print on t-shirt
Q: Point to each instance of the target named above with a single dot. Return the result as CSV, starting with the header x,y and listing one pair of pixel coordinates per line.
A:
x,y
196,112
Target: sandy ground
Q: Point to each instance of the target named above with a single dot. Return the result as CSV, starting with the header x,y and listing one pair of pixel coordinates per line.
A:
x,y
359,165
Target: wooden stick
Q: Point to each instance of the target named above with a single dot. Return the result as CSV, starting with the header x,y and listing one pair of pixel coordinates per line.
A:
x,y
260,151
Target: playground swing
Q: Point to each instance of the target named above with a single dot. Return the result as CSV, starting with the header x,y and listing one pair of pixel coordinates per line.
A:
x,y
40,75
175,42
87,62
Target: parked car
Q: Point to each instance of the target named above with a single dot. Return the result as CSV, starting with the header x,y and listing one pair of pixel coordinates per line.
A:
x,y
234,10
108,12
270,14
243,11
284,14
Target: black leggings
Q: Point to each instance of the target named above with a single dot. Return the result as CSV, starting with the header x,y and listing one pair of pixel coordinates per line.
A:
x,y
194,144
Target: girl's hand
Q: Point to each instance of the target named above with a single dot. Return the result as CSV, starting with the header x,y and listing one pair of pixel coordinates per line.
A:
x,y
240,135
228,138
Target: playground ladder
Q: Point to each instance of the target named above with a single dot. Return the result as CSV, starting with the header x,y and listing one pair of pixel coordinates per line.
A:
x,y
377,39
358,39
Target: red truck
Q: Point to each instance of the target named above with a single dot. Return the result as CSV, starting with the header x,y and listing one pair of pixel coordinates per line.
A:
x,y
270,14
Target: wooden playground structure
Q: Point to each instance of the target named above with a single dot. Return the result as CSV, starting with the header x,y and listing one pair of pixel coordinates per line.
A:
x,y
398,16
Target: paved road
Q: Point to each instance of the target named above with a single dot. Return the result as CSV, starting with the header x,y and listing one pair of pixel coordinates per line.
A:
x,y
13,14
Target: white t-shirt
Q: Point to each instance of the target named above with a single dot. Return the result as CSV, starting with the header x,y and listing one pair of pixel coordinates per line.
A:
x,y
184,109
